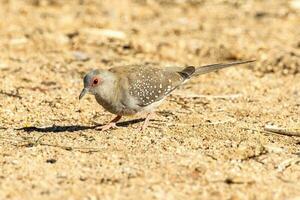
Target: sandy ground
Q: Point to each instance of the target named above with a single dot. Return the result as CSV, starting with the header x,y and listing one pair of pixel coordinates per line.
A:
x,y
206,141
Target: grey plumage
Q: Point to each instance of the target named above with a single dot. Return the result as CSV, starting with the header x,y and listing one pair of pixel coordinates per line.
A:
x,y
131,89
213,67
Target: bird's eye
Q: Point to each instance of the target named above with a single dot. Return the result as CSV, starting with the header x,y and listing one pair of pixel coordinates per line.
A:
x,y
95,81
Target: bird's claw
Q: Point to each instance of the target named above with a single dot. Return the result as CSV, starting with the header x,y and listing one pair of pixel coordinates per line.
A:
x,y
142,129
107,127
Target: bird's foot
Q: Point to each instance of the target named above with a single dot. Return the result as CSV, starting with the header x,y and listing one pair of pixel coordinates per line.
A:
x,y
111,124
146,122
108,126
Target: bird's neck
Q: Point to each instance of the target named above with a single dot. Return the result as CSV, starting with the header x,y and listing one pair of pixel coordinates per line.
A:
x,y
108,94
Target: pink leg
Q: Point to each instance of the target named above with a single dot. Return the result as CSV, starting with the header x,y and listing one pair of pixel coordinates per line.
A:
x,y
146,122
111,124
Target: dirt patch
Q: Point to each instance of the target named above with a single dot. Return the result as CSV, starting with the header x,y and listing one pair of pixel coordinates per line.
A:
x,y
206,141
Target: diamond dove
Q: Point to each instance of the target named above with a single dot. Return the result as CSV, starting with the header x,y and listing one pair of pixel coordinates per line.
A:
x,y
132,89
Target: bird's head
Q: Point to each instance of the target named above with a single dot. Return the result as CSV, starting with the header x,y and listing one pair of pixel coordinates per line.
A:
x,y
95,81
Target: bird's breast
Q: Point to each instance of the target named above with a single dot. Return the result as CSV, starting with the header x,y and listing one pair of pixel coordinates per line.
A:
x,y
116,107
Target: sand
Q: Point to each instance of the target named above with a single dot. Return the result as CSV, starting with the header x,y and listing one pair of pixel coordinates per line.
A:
x,y
207,140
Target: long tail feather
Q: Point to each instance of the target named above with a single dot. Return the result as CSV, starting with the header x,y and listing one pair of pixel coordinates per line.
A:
x,y
210,68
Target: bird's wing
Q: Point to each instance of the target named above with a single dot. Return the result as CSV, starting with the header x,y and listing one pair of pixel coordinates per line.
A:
x,y
148,84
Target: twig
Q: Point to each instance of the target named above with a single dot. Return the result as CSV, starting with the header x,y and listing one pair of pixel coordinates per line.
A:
x,y
287,163
201,124
231,181
274,130
220,122
192,95
109,33
16,95
281,131
39,138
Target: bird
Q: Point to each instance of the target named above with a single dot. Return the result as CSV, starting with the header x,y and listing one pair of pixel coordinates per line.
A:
x,y
139,88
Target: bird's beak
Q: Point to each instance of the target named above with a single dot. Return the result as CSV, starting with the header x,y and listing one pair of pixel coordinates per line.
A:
x,y
83,92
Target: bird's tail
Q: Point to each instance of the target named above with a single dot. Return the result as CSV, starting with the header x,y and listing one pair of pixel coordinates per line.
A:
x,y
210,68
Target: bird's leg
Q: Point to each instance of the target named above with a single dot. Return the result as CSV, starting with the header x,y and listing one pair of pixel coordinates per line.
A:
x,y
146,122
111,124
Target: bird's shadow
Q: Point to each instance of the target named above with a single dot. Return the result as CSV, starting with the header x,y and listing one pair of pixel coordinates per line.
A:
x,y
73,128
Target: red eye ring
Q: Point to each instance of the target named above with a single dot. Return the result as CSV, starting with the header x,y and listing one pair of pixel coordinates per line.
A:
x,y
95,81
